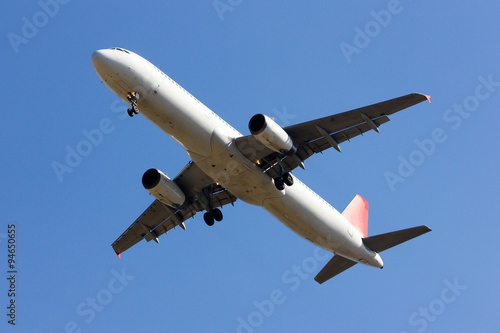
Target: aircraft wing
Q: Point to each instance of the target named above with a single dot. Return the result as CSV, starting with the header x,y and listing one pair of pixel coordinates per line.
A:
x,y
159,218
317,135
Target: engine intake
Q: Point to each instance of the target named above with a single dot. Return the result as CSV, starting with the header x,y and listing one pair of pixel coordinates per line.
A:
x,y
270,134
162,188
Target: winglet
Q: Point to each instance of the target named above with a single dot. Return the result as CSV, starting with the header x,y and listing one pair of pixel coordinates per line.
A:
x,y
426,96
119,255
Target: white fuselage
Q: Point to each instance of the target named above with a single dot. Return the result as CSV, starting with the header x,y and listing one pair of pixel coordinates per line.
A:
x,y
209,141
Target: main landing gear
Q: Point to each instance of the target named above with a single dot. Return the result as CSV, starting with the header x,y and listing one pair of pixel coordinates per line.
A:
x,y
280,182
285,179
214,215
132,98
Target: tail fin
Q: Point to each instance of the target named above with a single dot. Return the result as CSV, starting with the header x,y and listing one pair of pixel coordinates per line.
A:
x,y
383,242
357,213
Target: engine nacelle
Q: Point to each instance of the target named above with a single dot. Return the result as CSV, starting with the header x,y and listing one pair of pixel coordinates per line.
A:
x,y
162,188
270,134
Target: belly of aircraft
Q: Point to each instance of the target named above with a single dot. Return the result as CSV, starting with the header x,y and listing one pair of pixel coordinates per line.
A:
x,y
238,175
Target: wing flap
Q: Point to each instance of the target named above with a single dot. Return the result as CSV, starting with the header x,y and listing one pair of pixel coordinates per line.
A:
x,y
305,132
346,135
321,144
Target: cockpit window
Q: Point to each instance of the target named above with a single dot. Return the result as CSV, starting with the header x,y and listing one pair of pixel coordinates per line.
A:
x,y
120,49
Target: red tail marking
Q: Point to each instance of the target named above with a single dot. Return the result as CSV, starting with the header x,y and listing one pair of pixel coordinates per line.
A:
x,y
357,213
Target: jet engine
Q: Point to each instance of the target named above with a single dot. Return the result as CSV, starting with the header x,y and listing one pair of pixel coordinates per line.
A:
x,y
270,134
162,188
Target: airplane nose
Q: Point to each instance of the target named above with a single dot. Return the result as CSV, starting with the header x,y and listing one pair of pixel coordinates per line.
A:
x,y
99,59
105,63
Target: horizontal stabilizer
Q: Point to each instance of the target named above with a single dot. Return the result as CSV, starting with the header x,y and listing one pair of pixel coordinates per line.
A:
x,y
335,266
383,242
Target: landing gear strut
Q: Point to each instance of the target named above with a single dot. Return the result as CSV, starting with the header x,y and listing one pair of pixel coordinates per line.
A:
x,y
285,179
132,98
212,214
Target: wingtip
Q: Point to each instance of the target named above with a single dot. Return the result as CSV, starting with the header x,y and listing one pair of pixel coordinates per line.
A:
x,y
428,97
119,255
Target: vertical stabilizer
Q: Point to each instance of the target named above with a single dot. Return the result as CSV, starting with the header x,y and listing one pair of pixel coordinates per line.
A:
x,y
357,214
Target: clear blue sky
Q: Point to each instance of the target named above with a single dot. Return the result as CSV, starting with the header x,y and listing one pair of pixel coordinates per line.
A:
x,y
294,61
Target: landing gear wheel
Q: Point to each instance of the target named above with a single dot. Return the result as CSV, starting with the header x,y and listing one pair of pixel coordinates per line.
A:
x,y
288,179
135,109
217,214
209,219
278,182
132,98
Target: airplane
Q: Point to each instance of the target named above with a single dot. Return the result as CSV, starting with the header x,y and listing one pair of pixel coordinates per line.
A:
x,y
257,168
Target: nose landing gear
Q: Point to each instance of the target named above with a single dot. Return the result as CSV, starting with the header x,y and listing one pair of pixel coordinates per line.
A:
x,y
132,98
